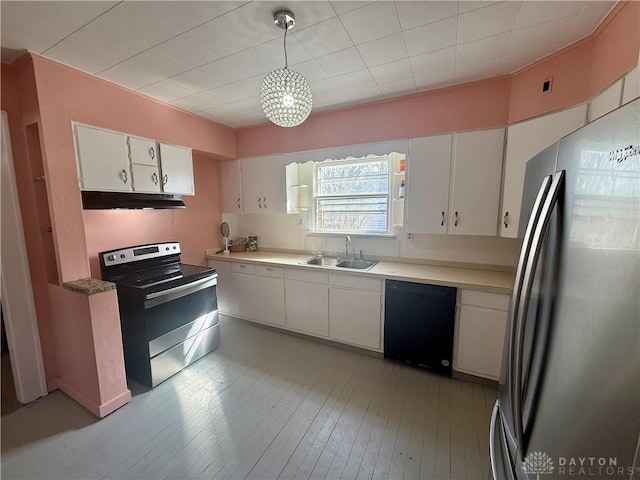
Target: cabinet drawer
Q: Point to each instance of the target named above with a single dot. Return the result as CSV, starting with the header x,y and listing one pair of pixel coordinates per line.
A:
x,y
484,299
277,272
357,282
306,275
243,268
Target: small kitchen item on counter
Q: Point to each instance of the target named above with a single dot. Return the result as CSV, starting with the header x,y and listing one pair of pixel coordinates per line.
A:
x,y
401,192
402,164
238,245
252,243
225,230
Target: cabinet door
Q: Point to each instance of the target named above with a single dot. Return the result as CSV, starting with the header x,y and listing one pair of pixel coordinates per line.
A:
x,y
427,184
244,296
354,317
480,341
605,101
475,189
631,87
145,178
143,151
262,184
230,181
525,140
307,307
102,160
177,169
271,300
224,287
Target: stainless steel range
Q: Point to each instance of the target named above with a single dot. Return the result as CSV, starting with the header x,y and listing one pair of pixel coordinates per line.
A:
x,y
168,309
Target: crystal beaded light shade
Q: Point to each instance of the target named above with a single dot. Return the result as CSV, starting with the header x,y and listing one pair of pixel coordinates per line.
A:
x,y
286,97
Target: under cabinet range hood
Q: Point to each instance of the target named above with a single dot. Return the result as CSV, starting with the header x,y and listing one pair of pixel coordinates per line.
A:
x,y
94,200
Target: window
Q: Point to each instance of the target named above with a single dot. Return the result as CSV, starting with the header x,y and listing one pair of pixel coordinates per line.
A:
x,y
352,195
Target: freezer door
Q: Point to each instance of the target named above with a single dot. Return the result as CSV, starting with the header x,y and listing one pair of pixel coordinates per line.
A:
x,y
587,401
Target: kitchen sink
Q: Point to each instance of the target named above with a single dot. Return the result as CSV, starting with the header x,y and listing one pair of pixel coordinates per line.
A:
x,y
323,261
356,264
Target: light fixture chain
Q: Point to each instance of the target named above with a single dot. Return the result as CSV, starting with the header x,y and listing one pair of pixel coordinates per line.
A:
x,y
286,64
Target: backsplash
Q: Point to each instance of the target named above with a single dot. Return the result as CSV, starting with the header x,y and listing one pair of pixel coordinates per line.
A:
x,y
289,232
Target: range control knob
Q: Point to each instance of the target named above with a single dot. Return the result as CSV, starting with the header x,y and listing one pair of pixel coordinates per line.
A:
x,y
167,248
122,255
111,258
174,247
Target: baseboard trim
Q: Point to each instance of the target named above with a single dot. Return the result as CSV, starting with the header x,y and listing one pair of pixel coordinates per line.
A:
x,y
99,410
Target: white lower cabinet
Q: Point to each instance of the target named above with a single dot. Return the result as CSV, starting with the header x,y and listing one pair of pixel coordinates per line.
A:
x,y
307,301
223,289
481,326
355,310
270,283
244,294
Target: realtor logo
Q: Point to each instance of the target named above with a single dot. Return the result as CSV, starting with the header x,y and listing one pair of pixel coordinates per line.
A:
x,y
537,463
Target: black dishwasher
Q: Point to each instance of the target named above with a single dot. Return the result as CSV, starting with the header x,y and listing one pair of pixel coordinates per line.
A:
x,y
418,324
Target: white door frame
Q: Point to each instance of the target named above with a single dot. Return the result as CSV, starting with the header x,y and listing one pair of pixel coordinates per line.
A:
x,y
18,307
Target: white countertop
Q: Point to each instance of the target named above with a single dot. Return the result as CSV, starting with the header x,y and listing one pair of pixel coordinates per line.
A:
x,y
470,278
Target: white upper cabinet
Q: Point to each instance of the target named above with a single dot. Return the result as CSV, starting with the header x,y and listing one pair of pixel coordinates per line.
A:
x,y
427,184
475,185
103,163
263,184
143,154
177,169
230,182
525,140
605,101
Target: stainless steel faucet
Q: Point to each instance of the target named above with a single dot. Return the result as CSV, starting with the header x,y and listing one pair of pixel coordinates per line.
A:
x,y
347,244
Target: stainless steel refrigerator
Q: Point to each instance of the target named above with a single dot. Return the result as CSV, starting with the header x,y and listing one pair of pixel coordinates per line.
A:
x,y
569,396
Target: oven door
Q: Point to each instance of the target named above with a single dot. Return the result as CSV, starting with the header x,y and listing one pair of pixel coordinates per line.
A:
x,y
181,325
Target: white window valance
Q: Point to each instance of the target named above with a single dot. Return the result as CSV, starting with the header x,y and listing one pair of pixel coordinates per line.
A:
x,y
348,151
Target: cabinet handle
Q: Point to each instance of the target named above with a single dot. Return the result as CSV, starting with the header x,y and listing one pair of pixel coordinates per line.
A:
x,y
238,203
269,269
455,224
259,202
124,176
264,202
242,266
165,179
152,152
155,178
442,219
505,220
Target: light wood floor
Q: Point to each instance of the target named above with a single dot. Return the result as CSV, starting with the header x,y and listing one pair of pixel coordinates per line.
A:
x,y
265,405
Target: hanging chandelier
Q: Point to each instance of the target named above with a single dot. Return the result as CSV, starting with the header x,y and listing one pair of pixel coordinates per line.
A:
x,y
285,95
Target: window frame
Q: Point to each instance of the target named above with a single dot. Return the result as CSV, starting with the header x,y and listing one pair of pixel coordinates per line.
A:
x,y
388,196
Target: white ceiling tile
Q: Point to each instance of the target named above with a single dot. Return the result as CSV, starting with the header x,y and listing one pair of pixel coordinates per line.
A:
x,y
395,89
323,88
143,69
186,50
383,50
244,27
364,94
342,62
535,11
488,21
468,72
37,26
373,21
428,63
468,6
393,71
222,95
311,70
489,49
345,6
307,13
436,79
324,38
337,99
354,80
168,90
433,36
599,5
414,14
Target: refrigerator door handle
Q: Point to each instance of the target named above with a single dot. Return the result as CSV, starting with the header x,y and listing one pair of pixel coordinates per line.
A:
x,y
520,270
525,296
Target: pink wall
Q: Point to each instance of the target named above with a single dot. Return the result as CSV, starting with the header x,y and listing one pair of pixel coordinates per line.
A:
x,y
21,104
582,70
470,106
579,72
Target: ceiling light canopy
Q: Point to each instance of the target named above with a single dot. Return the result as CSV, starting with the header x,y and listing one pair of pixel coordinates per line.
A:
x,y
285,94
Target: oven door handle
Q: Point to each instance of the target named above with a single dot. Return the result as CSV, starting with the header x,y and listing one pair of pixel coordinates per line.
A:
x,y
164,296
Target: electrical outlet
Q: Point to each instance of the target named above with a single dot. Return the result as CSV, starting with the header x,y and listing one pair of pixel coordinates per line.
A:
x,y
409,236
300,220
